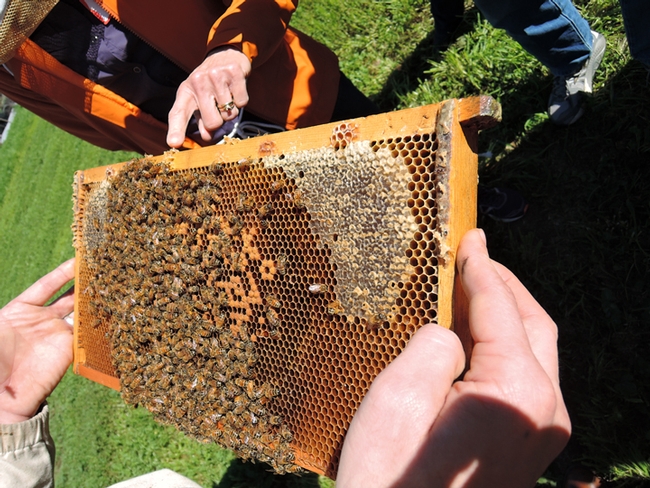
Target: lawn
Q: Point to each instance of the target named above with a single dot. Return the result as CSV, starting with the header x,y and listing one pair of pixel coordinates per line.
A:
x,y
583,249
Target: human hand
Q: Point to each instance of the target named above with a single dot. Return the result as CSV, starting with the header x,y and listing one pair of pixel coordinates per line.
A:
x,y
220,79
501,425
35,345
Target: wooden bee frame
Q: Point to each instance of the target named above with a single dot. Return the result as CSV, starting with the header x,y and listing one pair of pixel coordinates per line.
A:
x,y
322,251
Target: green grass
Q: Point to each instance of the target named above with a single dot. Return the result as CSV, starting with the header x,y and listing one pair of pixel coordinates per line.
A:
x,y
583,249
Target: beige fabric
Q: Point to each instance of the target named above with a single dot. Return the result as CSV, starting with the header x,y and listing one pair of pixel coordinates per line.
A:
x,y
27,453
27,459
21,18
164,478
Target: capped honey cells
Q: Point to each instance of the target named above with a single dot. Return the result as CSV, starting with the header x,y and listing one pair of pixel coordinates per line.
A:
x,y
250,296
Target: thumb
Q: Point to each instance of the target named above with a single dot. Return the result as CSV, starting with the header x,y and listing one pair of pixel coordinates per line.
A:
x,y
388,429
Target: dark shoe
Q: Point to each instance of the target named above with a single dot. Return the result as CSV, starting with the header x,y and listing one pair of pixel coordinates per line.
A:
x,y
502,204
565,101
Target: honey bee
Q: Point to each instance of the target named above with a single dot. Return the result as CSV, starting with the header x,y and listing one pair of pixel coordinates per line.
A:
x,y
286,457
236,225
162,302
273,302
244,164
245,202
205,330
191,215
200,306
299,201
375,321
269,391
272,318
231,390
232,355
157,169
240,368
166,208
165,382
281,264
277,186
256,408
179,411
212,394
221,300
221,377
217,168
188,199
288,469
185,355
195,181
252,391
251,359
265,210
219,319
335,308
236,262
284,433
240,400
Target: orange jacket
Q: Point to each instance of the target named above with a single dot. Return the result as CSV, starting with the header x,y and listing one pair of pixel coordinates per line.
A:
x,y
293,81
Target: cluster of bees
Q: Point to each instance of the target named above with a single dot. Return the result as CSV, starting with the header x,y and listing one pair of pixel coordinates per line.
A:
x,y
166,242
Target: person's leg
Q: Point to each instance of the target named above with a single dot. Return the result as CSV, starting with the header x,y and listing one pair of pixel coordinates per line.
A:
x,y
351,103
447,17
636,16
551,30
560,38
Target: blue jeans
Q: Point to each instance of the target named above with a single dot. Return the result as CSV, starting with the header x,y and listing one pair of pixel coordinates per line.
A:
x,y
636,16
551,30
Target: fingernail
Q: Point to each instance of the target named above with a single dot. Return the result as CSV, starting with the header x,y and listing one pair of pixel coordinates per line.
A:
x,y
482,233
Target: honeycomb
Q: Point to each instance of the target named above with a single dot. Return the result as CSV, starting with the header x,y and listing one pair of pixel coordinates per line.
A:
x,y
249,297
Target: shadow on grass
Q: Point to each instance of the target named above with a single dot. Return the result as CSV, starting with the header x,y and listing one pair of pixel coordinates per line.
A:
x,y
410,73
520,98
584,252
242,474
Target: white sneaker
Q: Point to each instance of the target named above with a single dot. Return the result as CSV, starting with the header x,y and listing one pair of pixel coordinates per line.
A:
x,y
565,101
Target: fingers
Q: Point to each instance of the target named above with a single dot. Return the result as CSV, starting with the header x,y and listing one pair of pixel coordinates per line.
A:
x,y
488,282
493,313
216,89
540,328
45,288
515,338
542,336
179,116
64,305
